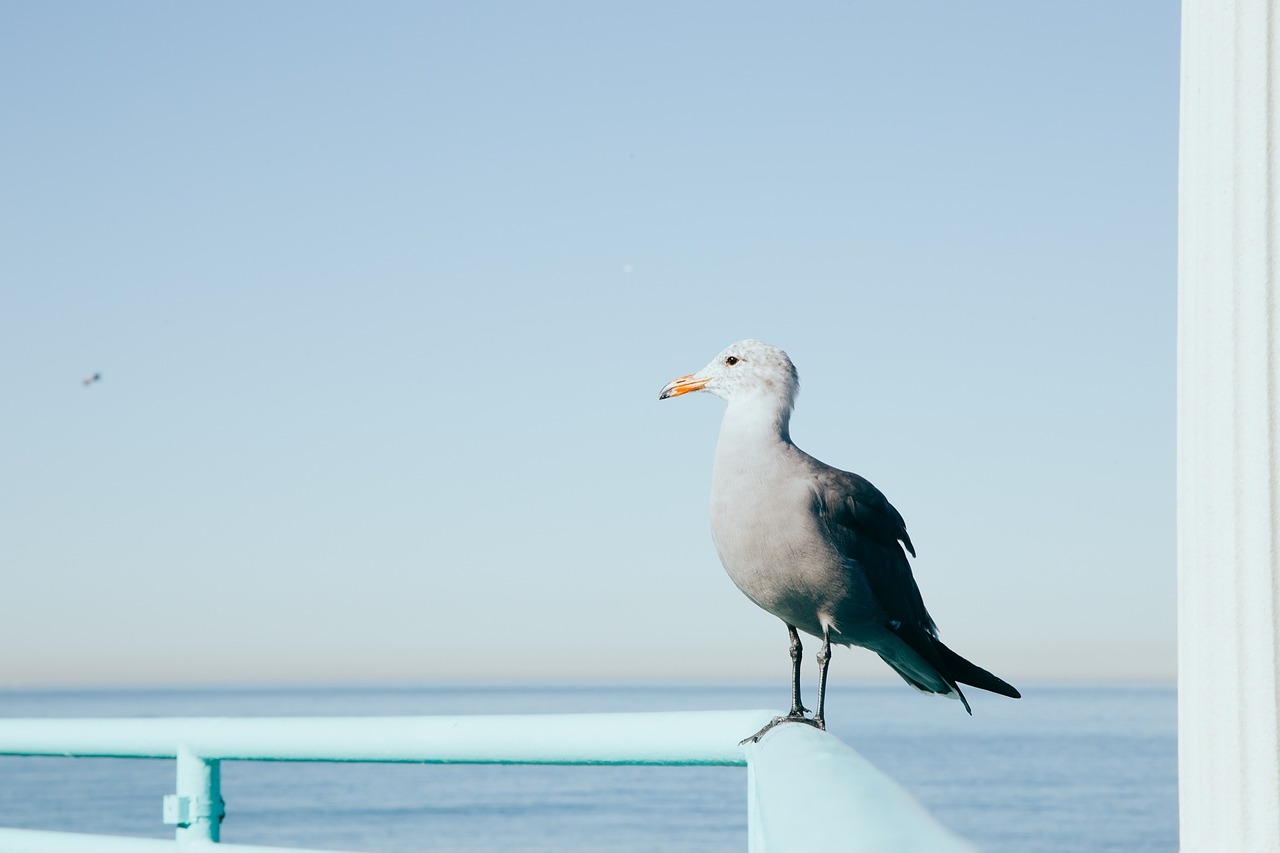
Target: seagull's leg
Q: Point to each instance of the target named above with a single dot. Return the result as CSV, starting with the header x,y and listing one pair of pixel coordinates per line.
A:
x,y
797,710
824,658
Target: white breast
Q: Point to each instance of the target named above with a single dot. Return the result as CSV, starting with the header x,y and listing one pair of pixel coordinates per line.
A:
x,y
765,530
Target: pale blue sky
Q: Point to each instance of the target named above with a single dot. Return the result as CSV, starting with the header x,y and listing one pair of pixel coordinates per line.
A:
x,y
383,295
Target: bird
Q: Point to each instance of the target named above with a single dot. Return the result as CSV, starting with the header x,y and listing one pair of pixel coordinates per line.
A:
x,y
90,379
820,548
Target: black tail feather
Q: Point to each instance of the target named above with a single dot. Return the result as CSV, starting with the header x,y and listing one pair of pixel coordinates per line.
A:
x,y
961,670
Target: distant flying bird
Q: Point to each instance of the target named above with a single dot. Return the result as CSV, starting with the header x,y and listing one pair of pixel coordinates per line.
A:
x,y
89,380
820,548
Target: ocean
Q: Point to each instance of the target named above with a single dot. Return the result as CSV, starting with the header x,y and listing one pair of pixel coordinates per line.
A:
x,y
1066,768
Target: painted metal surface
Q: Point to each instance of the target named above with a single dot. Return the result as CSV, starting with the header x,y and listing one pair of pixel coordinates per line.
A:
x,y
692,737
807,790
1229,427
197,808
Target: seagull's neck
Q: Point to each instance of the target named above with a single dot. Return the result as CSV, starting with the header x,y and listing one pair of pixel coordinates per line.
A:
x,y
755,422
754,440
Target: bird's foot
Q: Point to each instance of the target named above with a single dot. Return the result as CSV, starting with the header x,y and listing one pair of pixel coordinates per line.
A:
x,y
793,717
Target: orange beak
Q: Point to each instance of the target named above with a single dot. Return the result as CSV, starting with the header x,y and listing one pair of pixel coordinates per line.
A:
x,y
681,385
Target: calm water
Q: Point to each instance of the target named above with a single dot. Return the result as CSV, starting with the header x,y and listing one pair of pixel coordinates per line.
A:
x,y
1064,769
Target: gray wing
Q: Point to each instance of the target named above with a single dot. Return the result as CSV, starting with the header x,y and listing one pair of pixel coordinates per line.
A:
x,y
871,534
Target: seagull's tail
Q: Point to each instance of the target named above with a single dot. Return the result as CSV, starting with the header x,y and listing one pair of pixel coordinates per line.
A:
x,y
926,664
956,668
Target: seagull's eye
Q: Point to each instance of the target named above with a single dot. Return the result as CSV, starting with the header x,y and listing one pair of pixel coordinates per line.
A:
x,y
731,360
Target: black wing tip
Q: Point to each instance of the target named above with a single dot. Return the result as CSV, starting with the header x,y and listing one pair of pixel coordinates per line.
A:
x,y
966,672
999,687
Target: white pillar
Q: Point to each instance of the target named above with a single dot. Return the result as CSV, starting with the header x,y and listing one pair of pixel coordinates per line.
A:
x,y
1229,427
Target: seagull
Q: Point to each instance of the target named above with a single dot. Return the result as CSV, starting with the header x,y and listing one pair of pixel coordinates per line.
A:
x,y
90,379
820,548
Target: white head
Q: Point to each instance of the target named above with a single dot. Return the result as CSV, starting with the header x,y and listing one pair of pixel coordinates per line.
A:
x,y
747,370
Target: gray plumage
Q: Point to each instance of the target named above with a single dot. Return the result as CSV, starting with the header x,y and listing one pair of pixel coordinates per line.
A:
x,y
820,548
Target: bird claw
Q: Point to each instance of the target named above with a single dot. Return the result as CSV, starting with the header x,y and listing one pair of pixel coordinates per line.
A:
x,y
777,721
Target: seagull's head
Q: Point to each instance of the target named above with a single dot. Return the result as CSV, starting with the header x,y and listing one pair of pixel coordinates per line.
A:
x,y
742,370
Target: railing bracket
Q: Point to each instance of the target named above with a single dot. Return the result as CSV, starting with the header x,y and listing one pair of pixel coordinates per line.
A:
x,y
184,811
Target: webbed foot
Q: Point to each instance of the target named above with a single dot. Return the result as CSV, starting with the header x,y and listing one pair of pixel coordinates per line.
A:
x,y
777,721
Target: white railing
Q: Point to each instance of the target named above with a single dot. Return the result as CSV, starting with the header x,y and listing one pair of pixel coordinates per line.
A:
x,y
806,789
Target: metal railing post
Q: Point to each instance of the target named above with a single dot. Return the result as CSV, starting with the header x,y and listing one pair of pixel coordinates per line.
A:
x,y
197,807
